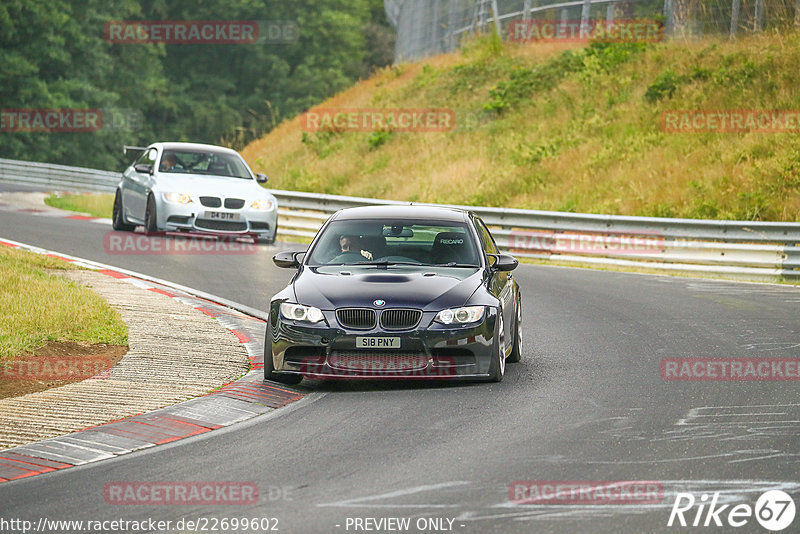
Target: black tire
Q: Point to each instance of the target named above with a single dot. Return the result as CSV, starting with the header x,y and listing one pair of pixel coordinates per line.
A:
x,y
497,369
269,366
516,348
117,216
151,217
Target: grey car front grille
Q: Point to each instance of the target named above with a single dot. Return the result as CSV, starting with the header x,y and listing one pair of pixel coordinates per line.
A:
x,y
210,202
234,203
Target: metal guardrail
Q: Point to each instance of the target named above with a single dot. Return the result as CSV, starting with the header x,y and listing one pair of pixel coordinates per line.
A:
x,y
59,177
740,249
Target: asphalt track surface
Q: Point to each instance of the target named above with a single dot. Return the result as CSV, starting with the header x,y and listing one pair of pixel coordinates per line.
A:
x,y
587,403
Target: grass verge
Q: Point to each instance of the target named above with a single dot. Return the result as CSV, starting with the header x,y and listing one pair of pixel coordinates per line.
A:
x,y
37,308
95,204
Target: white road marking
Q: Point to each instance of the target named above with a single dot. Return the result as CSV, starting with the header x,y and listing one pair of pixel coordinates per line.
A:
x,y
358,502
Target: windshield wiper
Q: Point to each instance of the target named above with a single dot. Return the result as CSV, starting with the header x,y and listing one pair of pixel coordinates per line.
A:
x,y
386,263
455,264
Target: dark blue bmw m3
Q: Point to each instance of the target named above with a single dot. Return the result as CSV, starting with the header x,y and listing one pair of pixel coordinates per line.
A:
x,y
396,292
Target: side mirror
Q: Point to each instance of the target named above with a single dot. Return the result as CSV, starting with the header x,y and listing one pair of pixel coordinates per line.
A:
x,y
261,178
287,259
144,168
503,262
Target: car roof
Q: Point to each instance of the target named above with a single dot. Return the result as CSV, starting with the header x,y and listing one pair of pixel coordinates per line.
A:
x,y
192,146
437,213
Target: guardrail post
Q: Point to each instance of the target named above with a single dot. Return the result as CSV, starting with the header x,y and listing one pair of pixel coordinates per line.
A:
x,y
564,14
482,15
735,17
437,46
610,12
496,17
586,10
526,9
791,258
451,26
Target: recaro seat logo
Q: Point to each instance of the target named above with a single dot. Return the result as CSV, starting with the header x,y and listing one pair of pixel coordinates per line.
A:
x,y
774,510
451,241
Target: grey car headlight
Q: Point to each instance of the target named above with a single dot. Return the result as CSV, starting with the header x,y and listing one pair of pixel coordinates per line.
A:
x,y
298,312
463,315
177,198
262,204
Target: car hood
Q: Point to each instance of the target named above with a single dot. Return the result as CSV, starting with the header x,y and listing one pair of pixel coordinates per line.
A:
x,y
198,184
414,287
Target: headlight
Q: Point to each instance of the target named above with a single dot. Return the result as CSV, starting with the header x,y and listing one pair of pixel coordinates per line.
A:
x,y
298,312
262,204
177,198
467,314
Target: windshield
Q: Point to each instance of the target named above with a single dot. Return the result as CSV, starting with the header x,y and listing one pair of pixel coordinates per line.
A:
x,y
395,242
203,162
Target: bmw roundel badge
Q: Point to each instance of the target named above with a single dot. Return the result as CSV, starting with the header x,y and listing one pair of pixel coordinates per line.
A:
x,y
379,302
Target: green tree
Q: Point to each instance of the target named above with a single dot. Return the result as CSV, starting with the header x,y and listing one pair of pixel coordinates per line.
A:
x,y
54,55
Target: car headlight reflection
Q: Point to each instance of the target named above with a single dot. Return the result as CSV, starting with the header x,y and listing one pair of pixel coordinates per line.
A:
x,y
262,204
464,315
298,312
177,198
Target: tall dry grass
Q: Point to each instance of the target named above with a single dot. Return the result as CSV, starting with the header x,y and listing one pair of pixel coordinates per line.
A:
x,y
590,141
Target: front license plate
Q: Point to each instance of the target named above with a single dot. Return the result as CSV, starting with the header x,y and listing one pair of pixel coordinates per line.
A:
x,y
221,216
377,342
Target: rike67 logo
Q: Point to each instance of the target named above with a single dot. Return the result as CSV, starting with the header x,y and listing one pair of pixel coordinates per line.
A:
x,y
774,510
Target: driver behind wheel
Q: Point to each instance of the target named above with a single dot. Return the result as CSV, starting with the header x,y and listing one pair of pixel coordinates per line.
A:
x,y
349,243
169,163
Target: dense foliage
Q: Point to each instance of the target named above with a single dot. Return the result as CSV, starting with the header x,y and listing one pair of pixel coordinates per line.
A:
x,y
54,55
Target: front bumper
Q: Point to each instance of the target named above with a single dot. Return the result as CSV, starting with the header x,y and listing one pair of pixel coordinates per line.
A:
x,y
429,351
190,217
